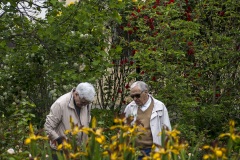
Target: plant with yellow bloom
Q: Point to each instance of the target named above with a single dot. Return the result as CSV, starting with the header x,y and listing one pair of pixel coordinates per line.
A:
x,y
122,145
32,141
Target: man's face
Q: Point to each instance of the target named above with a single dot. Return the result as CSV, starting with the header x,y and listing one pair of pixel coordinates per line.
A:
x,y
80,102
140,97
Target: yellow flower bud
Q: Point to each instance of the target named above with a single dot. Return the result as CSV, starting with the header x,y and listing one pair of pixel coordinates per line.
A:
x,y
219,153
27,141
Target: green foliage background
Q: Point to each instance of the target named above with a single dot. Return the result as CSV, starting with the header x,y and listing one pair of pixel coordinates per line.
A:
x,y
187,51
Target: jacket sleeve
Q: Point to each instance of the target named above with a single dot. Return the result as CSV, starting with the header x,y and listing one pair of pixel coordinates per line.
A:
x,y
165,119
52,121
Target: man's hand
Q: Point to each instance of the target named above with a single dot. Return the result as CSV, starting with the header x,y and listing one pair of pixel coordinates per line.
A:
x,y
58,141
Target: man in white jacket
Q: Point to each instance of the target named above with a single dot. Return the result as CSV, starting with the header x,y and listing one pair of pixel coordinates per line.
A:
x,y
152,114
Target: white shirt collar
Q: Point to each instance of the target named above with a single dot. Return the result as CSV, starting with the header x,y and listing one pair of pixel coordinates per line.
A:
x,y
147,104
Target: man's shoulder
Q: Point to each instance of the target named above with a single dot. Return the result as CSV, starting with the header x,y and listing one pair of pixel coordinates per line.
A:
x,y
63,99
159,105
131,105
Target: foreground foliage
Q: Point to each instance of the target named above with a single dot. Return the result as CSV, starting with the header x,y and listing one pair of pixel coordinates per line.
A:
x,y
121,145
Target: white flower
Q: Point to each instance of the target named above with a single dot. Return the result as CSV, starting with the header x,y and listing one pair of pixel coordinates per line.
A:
x,y
10,151
75,65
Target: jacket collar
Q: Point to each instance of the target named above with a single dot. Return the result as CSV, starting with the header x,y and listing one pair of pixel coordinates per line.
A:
x,y
71,100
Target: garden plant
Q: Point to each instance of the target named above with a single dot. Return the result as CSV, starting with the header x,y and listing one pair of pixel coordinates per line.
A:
x,y
187,51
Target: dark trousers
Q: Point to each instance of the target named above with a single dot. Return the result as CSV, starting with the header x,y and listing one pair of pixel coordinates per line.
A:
x,y
147,151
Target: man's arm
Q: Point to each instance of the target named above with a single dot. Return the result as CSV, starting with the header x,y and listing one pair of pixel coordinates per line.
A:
x,y
165,119
52,121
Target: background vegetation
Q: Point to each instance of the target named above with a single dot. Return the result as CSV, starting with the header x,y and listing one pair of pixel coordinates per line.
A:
x,y
187,51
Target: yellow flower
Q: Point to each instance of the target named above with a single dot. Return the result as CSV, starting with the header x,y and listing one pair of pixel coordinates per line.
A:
x,y
156,155
59,14
75,155
64,145
71,3
216,152
100,139
114,156
162,151
114,137
206,147
219,153
134,0
231,133
99,131
174,133
119,120
27,141
206,156
119,0
32,136
105,153
60,147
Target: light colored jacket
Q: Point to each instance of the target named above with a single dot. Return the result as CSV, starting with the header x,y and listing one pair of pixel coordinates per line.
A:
x,y
58,120
159,118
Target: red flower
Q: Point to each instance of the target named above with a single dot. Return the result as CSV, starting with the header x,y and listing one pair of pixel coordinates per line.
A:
x,y
133,15
189,9
142,72
121,62
155,34
130,32
170,1
145,19
135,28
190,51
134,52
119,91
154,78
127,86
221,13
151,20
190,43
188,15
131,62
151,26
122,27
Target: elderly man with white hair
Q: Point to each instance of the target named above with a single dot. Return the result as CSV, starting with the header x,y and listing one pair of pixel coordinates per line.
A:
x,y
74,104
152,114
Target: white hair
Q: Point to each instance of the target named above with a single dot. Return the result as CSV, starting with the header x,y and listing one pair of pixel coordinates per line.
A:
x,y
86,91
142,85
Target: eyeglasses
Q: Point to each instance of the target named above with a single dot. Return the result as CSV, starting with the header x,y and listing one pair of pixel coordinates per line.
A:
x,y
136,95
